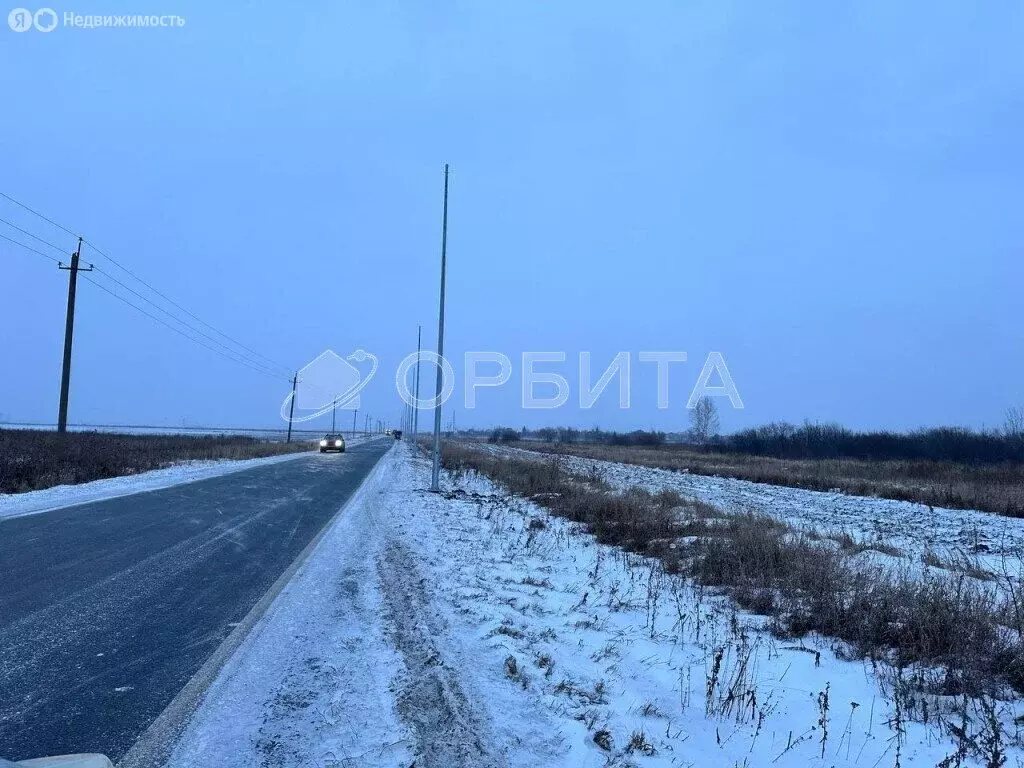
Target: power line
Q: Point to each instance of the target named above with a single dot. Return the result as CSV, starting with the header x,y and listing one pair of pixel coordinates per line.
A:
x,y
30,248
226,352
229,354
183,309
251,352
179,320
34,237
37,213
180,332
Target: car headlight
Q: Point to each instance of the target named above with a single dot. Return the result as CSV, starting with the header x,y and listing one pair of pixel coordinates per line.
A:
x,y
323,443
337,443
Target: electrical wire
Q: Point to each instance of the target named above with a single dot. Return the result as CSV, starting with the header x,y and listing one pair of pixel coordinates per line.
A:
x,y
267,363
242,361
198,319
177,330
34,237
30,248
37,213
174,317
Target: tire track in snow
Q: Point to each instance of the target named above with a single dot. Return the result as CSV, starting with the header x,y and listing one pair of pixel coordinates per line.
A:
x,y
430,699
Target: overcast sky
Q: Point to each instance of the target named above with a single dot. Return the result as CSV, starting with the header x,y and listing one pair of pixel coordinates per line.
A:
x,y
827,194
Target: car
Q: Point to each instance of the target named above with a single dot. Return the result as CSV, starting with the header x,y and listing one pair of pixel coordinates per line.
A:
x,y
332,443
398,434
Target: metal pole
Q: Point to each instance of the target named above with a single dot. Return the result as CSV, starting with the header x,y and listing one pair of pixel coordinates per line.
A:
x,y
69,332
334,412
416,409
435,473
354,421
291,409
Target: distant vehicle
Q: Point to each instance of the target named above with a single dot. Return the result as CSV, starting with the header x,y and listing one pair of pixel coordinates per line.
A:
x,y
398,434
387,431
332,443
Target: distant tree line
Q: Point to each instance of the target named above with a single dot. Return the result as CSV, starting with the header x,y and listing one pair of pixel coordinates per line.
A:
x,y
569,435
808,440
832,441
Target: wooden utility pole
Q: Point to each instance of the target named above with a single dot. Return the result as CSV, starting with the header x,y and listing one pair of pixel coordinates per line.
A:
x,y
435,473
69,332
291,408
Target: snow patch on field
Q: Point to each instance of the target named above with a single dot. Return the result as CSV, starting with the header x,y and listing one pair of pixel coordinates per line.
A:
x,y
32,502
470,628
975,542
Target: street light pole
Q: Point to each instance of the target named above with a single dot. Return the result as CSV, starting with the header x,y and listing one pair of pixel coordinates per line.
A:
x,y
416,408
436,471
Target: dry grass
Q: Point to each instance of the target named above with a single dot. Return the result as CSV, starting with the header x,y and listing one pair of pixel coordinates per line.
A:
x,y
950,622
997,488
34,459
847,543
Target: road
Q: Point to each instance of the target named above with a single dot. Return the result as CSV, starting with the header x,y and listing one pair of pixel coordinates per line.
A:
x,y
107,609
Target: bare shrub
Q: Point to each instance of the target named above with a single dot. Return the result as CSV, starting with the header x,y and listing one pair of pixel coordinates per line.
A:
x,y
951,622
504,435
638,743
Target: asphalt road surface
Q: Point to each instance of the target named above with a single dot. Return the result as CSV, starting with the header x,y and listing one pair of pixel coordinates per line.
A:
x,y
107,609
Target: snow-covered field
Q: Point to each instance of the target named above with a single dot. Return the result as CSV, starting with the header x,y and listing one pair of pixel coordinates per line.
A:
x,y
31,502
472,629
973,541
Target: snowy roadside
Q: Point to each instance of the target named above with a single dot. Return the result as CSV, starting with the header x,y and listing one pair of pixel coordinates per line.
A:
x,y
355,662
473,629
310,684
32,502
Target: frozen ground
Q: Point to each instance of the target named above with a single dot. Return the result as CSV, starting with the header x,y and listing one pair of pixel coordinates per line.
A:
x,y
472,629
978,542
31,502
